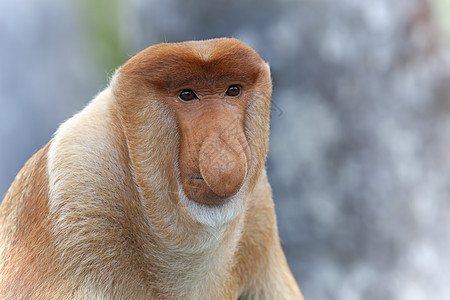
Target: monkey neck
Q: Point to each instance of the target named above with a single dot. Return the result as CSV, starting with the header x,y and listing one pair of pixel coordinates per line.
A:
x,y
205,255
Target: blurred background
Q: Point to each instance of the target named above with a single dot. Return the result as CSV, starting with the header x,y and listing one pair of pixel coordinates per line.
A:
x,y
360,136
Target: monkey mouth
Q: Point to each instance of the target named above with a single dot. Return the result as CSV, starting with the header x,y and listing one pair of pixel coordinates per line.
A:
x,y
198,190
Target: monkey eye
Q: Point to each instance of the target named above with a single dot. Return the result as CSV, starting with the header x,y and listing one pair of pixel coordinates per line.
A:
x,y
233,90
187,95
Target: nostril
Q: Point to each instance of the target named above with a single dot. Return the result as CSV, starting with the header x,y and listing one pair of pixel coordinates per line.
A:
x,y
197,178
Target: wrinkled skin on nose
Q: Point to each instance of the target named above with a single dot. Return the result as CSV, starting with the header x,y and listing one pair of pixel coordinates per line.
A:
x,y
223,164
214,156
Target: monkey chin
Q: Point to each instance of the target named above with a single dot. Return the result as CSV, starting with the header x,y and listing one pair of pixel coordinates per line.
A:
x,y
208,208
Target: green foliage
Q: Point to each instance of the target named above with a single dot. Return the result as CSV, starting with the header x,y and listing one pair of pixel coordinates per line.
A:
x,y
443,13
102,24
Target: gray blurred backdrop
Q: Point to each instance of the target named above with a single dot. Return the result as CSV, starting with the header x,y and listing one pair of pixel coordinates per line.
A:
x,y
360,136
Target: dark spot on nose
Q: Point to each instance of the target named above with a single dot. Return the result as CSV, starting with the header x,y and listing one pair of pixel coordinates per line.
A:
x,y
197,178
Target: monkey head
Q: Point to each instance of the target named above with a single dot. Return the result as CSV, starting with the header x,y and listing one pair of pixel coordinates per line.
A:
x,y
206,103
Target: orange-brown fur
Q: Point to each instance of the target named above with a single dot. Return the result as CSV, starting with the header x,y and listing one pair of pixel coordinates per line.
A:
x,y
109,208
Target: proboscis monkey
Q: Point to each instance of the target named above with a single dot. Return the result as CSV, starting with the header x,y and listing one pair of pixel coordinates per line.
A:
x,y
156,190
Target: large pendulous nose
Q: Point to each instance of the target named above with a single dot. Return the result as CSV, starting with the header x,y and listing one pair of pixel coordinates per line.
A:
x,y
223,164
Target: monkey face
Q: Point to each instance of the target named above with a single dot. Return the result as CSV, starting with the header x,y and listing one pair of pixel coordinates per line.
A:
x,y
214,152
208,88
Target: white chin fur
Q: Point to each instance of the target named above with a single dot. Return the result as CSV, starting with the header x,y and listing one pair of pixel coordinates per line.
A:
x,y
214,216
